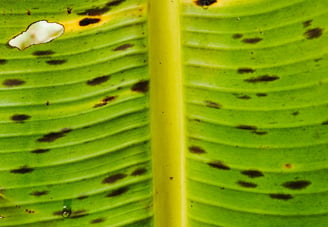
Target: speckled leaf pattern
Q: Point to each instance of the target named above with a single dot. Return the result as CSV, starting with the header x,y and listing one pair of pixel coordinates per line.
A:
x,y
74,114
256,85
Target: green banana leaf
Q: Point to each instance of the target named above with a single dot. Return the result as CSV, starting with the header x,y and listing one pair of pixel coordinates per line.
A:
x,y
164,113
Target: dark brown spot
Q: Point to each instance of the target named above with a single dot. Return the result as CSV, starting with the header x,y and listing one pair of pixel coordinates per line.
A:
x,y
105,101
114,3
29,211
261,94
313,33
251,40
219,165
296,185
69,10
112,179
20,117
98,80
98,220
307,23
245,70
56,62
261,133
246,127
39,193
325,123
3,61
117,192
40,151
95,11
28,12
87,21
288,166
79,214
242,96
43,52
52,136
295,113
13,82
124,47
281,196
205,2
22,170
171,178
142,86
264,78
252,173
138,172
196,150
247,184
237,36
81,197
212,104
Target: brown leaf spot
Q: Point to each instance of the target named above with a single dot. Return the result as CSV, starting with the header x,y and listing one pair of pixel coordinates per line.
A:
x,y
138,172
81,197
296,185
237,36
196,150
295,113
97,11
142,86
313,33
212,104
307,23
105,101
87,21
115,2
252,40
252,173
3,61
260,133
39,193
40,151
325,123
246,127
43,52
264,78
13,82
124,47
98,220
247,184
117,192
98,80
79,214
219,165
22,170
56,62
281,196
205,2
245,70
52,136
69,10
20,117
261,94
112,179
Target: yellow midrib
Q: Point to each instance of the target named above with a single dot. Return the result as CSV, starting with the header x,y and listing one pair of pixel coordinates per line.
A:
x,y
167,130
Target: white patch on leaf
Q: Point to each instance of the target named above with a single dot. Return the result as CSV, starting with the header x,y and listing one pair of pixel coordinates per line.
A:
x,y
37,33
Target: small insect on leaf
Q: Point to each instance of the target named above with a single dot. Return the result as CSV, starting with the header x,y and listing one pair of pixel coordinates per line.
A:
x,y
37,33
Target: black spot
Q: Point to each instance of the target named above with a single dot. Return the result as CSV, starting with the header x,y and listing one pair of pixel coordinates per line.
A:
x,y
296,185
237,36
196,150
69,10
264,78
295,113
79,214
219,165
104,101
261,133
98,220
124,47
87,21
142,86
22,170
40,151
20,117
112,179
13,82
117,192
171,178
212,104
3,61
307,23
205,2
252,40
313,33
281,196
56,62
114,3
245,70
261,94
325,123
39,193
28,12
43,52
81,197
52,136
98,80
139,172
246,127
247,184
95,11
252,173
